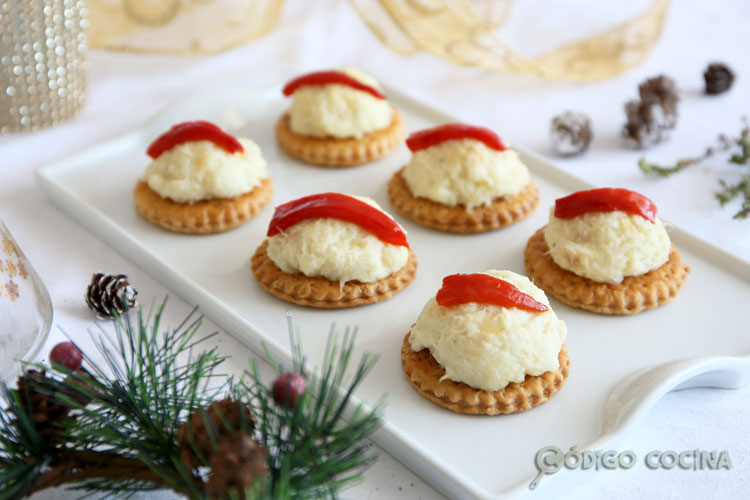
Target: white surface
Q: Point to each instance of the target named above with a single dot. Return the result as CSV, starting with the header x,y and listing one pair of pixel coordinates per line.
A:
x,y
213,271
124,90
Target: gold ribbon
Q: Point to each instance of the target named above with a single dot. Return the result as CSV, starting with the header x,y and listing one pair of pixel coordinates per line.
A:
x,y
463,31
180,26
460,31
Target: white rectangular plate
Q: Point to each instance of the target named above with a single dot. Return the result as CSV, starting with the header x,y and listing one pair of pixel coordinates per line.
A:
x,y
465,456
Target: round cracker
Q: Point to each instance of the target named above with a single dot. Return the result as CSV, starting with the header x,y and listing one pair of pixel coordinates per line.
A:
x,y
633,295
322,292
500,213
202,217
332,152
425,373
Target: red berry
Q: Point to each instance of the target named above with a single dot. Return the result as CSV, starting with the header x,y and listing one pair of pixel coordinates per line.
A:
x,y
287,388
67,355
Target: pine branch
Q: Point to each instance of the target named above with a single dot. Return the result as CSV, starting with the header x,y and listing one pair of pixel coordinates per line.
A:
x,y
317,453
79,466
137,415
120,427
21,448
125,414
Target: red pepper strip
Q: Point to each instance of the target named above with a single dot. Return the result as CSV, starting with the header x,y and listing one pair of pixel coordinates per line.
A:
x,y
193,131
432,136
326,77
481,288
341,207
605,200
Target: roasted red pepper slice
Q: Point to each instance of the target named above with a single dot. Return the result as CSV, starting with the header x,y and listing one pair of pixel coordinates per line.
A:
x,y
326,77
450,131
193,131
341,207
482,288
605,200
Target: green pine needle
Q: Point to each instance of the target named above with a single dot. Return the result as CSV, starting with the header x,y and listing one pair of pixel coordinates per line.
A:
x,y
319,452
125,414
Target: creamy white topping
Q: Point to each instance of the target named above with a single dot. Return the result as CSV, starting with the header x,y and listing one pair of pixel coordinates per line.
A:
x,y
465,172
488,346
339,111
607,246
334,249
201,170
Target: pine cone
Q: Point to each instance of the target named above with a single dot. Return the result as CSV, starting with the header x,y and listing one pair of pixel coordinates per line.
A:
x,y
719,78
571,133
235,465
45,411
661,91
643,127
192,435
106,292
650,118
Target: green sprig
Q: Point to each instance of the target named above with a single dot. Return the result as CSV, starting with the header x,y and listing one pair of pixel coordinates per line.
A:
x,y
740,157
653,168
732,191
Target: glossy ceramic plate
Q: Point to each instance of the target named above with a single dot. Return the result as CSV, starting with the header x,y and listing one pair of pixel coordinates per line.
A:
x,y
620,366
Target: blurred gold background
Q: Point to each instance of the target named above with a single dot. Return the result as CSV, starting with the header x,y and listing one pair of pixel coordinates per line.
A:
x,y
461,31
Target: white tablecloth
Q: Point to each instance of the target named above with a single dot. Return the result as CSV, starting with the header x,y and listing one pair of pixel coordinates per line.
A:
x,y
126,89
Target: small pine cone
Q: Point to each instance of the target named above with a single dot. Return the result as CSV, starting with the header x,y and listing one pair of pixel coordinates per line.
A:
x,y
719,78
45,411
225,418
106,293
661,92
650,118
236,463
644,126
571,133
